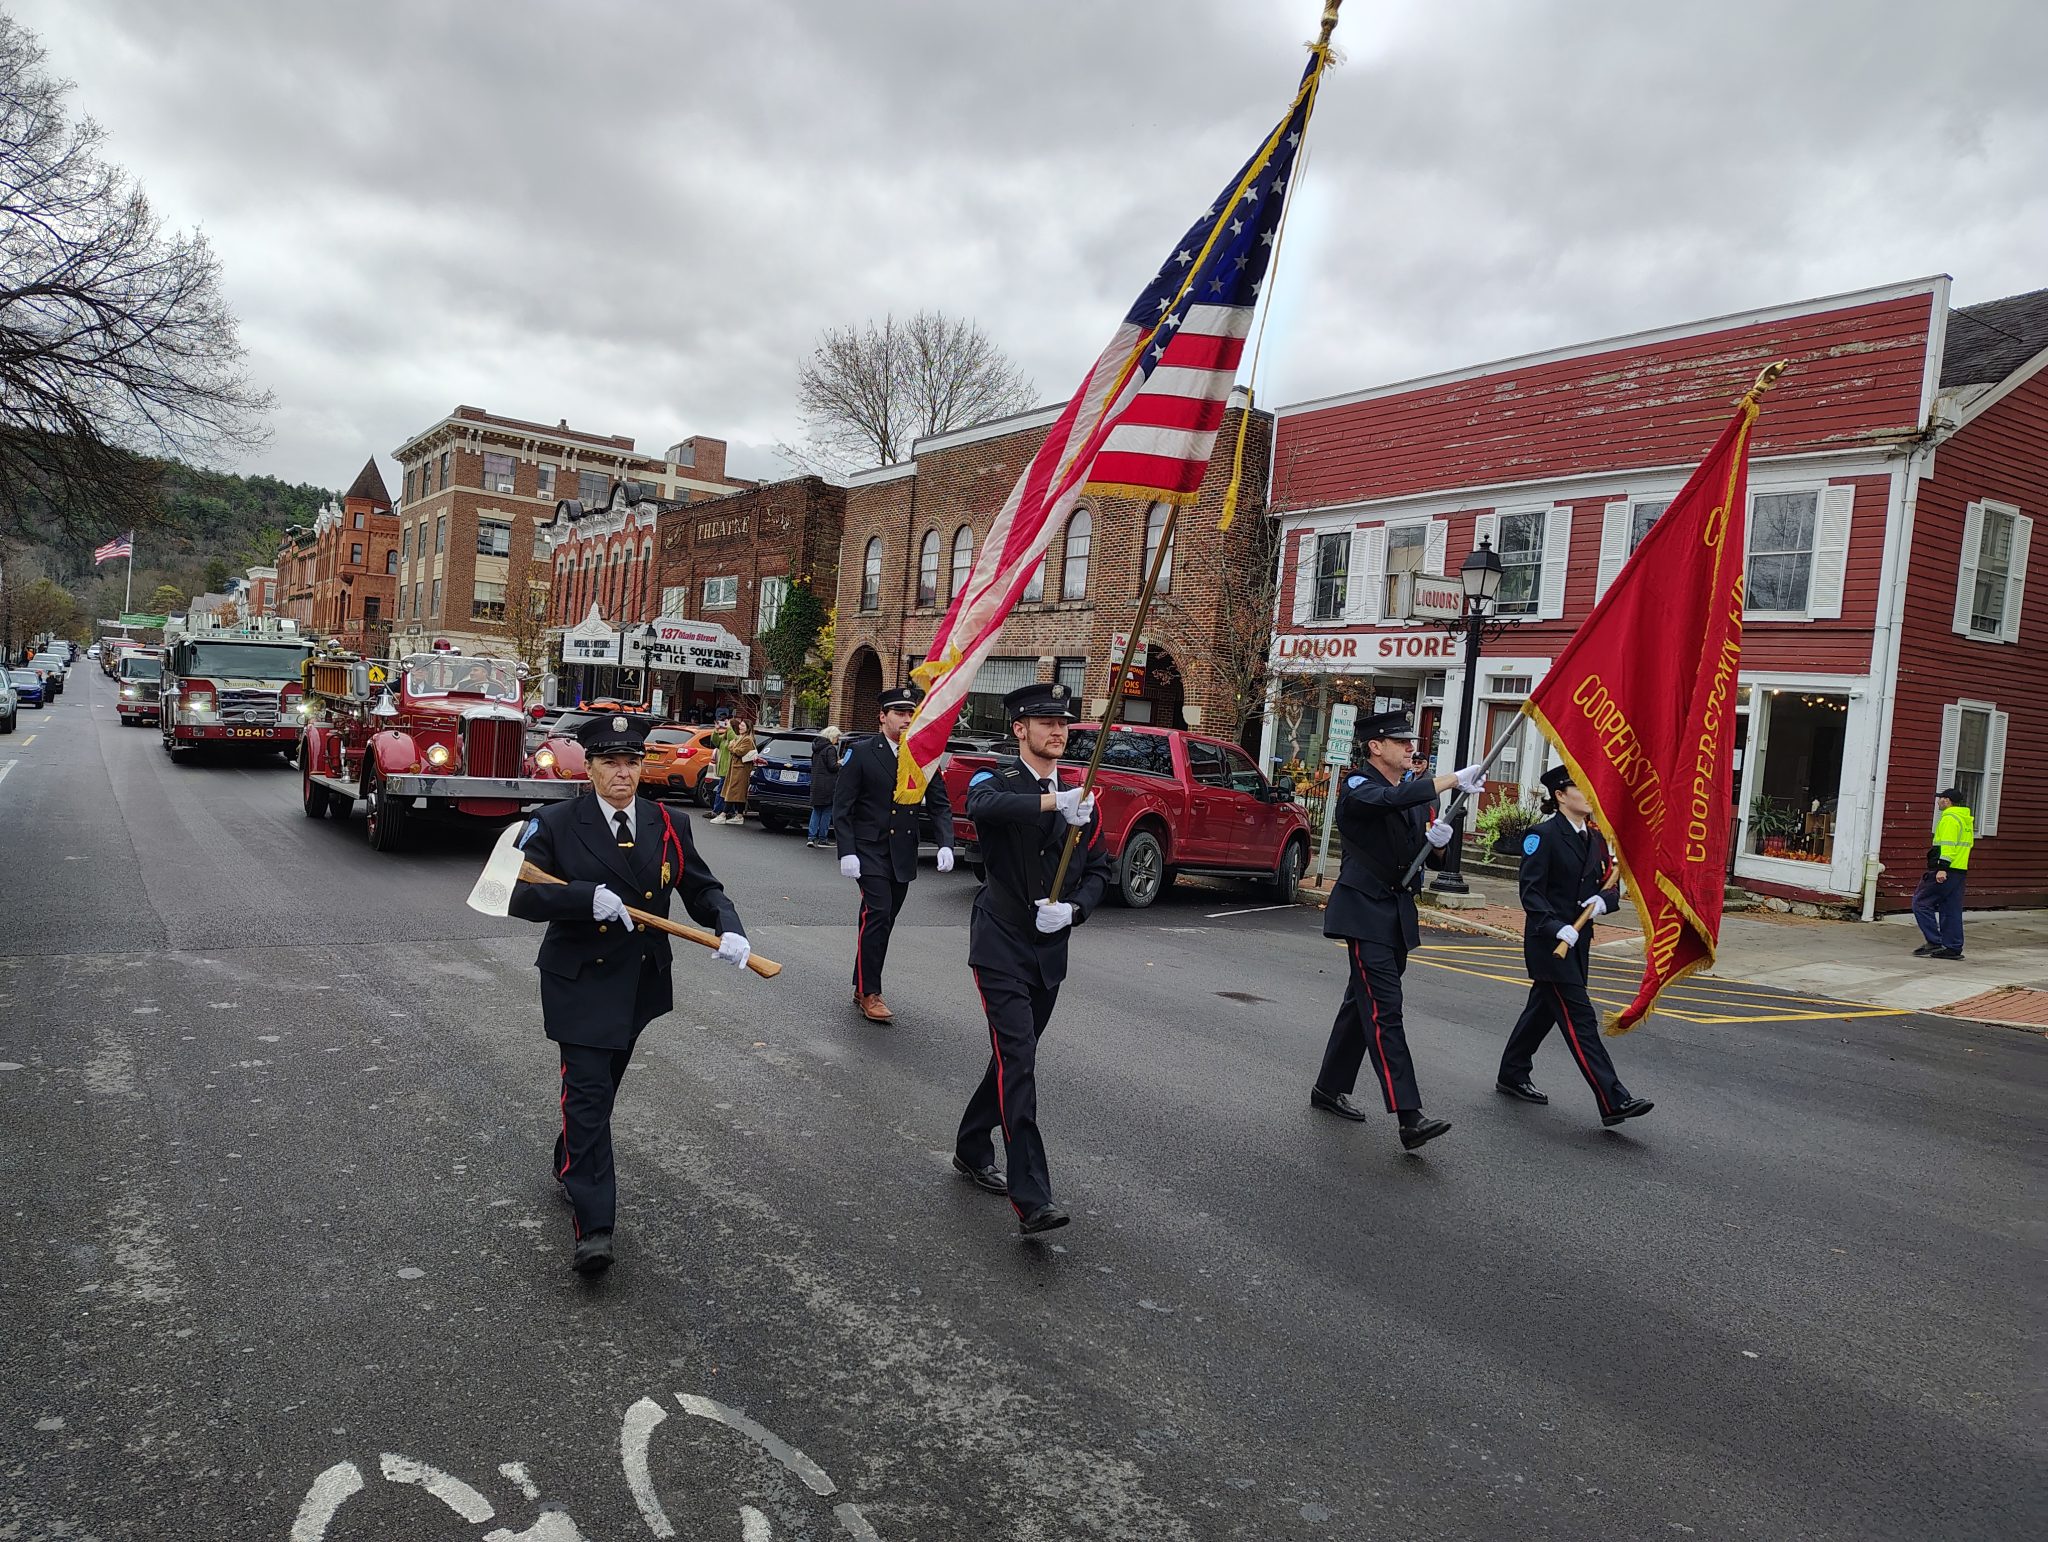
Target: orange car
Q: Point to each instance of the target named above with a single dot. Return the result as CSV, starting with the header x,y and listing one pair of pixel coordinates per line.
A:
x,y
677,758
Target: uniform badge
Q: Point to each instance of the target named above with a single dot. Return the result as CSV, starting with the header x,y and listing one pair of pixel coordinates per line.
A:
x,y
618,725
979,777
532,829
667,874
1530,842
1059,693
1354,781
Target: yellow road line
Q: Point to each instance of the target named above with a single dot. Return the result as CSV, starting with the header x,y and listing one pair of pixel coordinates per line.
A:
x,y
31,739
1604,996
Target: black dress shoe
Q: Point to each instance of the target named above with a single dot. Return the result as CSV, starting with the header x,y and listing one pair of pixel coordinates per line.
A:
x,y
1523,1089
1044,1218
1925,950
1948,953
593,1253
1335,1103
989,1178
1634,1108
1422,1132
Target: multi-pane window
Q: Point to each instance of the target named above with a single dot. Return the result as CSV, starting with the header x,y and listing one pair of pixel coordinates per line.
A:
x,y
493,538
436,593
1072,673
1973,742
1074,568
675,600
355,554
440,535
359,519
928,569
426,477
1406,549
417,611
963,558
1994,572
1155,527
1034,586
1780,550
722,593
1641,515
408,484
871,575
768,610
1333,562
447,466
487,603
405,540
373,607
497,472
1521,563
592,489
547,480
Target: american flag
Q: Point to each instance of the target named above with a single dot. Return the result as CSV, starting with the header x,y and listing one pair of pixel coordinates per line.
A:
x,y
1141,425
120,546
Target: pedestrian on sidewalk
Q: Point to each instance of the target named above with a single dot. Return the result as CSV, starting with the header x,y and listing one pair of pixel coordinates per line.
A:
x,y
602,979
738,753
877,840
1017,942
1384,822
1564,868
1938,901
824,782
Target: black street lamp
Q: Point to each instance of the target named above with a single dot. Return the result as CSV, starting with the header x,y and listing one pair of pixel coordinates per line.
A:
x,y
1480,576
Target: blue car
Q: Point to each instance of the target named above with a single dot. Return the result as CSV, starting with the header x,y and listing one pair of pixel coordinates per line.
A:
x,y
28,687
780,788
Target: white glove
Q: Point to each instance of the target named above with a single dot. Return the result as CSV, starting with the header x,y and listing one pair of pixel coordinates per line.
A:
x,y
945,859
734,949
607,906
1075,809
1054,916
1568,935
1596,904
1439,834
849,867
1471,779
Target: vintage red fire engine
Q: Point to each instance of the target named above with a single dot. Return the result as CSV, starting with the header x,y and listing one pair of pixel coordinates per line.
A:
x,y
443,741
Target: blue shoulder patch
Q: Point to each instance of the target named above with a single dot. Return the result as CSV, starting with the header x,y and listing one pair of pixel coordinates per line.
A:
x,y
532,829
1530,842
1354,781
979,777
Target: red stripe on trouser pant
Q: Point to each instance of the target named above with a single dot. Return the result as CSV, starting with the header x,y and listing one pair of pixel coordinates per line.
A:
x,y
1564,1017
860,953
563,1173
996,1050
1378,1039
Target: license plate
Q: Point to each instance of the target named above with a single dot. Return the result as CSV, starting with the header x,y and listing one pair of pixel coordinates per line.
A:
x,y
249,733
787,776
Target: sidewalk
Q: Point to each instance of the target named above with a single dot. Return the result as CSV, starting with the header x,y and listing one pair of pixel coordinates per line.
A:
x,y
2002,978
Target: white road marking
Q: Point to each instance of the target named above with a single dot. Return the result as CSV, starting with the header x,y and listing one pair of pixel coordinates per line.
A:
x,y
638,1425
802,1466
5,767
754,1526
521,1479
1217,915
329,1491
450,1490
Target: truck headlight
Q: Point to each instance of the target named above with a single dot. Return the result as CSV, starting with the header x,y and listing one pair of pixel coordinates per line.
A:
x,y
199,702
438,755
544,758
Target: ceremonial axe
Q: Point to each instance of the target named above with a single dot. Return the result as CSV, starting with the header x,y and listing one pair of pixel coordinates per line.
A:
x,y
508,865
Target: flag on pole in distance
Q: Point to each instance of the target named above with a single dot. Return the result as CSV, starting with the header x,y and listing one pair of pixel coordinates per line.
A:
x,y
1641,705
1141,425
120,546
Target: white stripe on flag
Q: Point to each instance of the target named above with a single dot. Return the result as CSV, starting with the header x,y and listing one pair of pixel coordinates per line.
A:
x,y
1202,384
1218,320
1175,443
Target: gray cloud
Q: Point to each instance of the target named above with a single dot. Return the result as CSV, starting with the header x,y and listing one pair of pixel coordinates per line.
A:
x,y
637,214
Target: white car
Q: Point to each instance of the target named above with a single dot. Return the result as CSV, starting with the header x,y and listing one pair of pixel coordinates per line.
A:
x,y
10,704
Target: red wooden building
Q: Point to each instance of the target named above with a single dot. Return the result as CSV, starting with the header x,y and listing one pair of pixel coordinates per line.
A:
x,y
1887,652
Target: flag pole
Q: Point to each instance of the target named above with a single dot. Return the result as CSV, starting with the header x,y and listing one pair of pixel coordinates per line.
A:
x,y
1456,809
128,603
1117,676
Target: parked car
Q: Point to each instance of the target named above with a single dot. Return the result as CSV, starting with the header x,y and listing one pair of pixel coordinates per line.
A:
x,y
1171,802
141,678
677,758
10,704
28,687
780,788
46,665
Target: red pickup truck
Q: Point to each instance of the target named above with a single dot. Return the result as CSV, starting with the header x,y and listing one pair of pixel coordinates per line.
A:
x,y
1170,802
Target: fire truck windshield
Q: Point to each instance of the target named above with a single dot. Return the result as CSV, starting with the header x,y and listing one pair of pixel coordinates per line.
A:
x,y
240,660
453,675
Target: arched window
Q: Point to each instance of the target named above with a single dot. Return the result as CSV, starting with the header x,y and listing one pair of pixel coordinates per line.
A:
x,y
1034,586
629,609
647,594
1074,573
963,558
589,595
1155,525
871,575
928,569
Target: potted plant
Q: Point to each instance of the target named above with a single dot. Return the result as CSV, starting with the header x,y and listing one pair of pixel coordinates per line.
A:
x,y
1771,824
1502,826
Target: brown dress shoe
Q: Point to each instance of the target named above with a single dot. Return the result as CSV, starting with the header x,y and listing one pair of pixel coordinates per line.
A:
x,y
874,1009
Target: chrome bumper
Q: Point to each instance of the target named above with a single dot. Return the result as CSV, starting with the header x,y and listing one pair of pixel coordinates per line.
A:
x,y
527,789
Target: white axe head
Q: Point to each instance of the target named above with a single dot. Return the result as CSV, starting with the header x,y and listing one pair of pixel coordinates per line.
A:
x,y
493,892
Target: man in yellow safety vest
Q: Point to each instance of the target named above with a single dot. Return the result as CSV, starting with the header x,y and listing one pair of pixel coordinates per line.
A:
x,y
1938,902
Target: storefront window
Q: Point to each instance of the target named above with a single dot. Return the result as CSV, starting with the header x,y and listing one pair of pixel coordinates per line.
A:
x,y
1799,775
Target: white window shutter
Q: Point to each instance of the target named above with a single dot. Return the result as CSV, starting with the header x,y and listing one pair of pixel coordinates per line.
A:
x,y
1305,579
1557,557
1830,553
1951,736
1615,522
1365,587
1966,574
1994,775
2016,580
1486,528
1433,542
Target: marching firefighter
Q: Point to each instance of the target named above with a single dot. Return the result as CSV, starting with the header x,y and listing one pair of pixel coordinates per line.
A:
x,y
1564,866
877,839
602,979
1385,822
1017,942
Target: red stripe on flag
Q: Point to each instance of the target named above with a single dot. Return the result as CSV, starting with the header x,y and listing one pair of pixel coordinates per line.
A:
x,y
1193,350
1159,473
1165,411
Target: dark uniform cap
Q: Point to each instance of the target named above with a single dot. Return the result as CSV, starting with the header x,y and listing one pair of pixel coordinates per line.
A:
x,y
1386,725
1557,779
901,696
1043,700
614,733
1953,794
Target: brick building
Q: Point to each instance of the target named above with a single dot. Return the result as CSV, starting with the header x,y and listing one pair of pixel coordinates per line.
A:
x,y
337,577
728,563
1894,478
479,495
259,591
911,533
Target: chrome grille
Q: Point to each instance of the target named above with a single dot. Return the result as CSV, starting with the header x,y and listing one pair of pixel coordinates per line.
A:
x,y
248,709
492,746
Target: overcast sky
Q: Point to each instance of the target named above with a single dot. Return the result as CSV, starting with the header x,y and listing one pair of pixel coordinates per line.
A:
x,y
638,214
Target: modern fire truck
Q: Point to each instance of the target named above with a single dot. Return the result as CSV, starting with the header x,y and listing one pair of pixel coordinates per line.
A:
x,y
237,685
436,736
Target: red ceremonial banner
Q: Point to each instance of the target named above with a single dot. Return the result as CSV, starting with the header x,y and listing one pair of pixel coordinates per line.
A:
x,y
1641,705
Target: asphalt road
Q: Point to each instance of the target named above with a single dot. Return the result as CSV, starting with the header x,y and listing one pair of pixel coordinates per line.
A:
x,y
282,1257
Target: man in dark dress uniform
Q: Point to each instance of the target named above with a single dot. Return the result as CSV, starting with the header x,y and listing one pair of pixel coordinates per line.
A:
x,y
878,842
1017,941
603,979
1384,822
1564,867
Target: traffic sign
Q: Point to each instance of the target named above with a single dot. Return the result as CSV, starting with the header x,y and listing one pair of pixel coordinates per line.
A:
x,y
1343,725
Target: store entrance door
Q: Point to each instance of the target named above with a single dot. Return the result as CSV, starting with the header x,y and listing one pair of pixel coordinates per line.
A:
x,y
1504,776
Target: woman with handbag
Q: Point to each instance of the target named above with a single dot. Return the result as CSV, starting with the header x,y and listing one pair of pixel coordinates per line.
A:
x,y
740,754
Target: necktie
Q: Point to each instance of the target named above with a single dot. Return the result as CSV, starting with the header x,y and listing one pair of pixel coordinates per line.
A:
x,y
625,830
1045,784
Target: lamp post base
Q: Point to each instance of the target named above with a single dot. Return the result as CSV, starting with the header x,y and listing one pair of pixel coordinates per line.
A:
x,y
1449,883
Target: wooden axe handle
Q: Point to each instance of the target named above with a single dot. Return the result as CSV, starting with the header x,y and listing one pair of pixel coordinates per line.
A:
x,y
1585,916
766,968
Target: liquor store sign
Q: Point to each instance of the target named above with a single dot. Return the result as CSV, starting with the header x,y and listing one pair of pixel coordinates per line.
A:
x,y
701,647
1358,652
